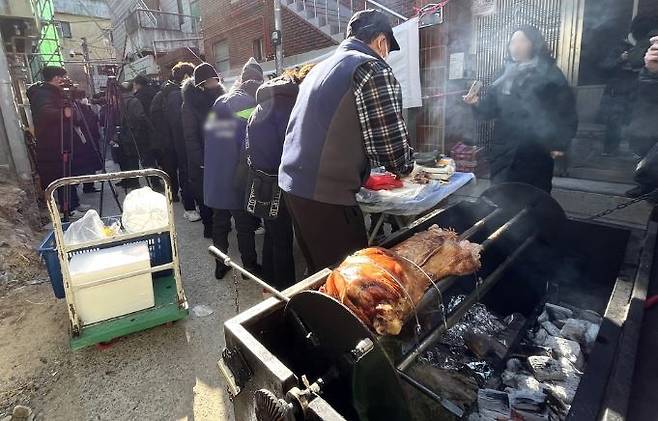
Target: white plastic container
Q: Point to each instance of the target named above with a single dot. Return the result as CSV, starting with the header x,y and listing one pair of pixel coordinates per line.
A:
x,y
96,302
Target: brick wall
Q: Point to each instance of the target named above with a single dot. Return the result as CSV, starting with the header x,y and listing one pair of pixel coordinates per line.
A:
x,y
242,21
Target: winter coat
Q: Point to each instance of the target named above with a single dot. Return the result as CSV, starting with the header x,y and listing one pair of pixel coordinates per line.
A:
x,y
166,115
537,116
86,156
620,88
194,112
135,127
47,105
643,127
224,147
266,129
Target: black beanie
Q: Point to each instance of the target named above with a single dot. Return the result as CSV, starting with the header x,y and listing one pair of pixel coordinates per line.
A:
x,y
251,71
203,72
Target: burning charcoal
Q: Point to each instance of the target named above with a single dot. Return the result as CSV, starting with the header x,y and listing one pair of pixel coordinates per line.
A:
x,y
482,345
551,328
565,389
455,386
522,381
575,330
556,312
530,416
565,348
547,368
590,316
527,401
590,336
493,405
514,365
523,351
541,336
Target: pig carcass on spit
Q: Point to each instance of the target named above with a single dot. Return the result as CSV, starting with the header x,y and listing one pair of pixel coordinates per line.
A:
x,y
382,286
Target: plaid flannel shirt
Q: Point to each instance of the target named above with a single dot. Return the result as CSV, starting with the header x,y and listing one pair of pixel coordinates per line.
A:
x,y
379,107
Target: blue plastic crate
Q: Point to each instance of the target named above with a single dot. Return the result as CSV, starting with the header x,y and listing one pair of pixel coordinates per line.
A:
x,y
159,249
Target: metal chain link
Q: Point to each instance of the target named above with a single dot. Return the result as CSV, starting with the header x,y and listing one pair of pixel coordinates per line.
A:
x,y
624,205
237,290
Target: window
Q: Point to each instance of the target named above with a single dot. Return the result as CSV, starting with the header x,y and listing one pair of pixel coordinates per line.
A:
x,y
220,52
257,49
64,29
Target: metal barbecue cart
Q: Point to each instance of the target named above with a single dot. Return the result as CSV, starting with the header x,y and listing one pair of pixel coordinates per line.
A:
x,y
169,297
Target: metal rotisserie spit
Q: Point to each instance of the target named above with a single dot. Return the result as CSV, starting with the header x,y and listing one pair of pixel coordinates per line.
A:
x,y
305,356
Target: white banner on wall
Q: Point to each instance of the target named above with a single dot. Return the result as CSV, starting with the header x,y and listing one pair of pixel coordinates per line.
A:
x,y
406,63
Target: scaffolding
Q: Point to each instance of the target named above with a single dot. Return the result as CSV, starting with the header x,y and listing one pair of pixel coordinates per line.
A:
x,y
47,50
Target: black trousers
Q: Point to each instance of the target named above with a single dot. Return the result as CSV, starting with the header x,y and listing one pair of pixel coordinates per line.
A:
x,y
177,172
245,225
326,233
278,261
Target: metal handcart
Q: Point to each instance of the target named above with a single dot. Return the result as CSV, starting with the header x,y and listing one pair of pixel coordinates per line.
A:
x,y
169,297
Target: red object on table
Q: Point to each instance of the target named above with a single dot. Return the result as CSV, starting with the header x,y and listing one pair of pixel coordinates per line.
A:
x,y
386,181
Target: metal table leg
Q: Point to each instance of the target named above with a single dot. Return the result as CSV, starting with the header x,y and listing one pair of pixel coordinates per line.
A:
x,y
375,230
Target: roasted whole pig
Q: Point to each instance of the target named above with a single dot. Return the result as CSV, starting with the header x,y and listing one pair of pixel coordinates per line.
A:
x,y
382,286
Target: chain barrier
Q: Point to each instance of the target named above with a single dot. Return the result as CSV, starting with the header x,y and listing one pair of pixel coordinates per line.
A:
x,y
653,194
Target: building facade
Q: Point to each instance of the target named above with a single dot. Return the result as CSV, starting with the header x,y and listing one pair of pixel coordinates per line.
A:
x,y
150,35
85,25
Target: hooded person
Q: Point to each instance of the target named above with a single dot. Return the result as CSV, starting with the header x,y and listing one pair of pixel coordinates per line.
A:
x,y
266,132
224,148
199,94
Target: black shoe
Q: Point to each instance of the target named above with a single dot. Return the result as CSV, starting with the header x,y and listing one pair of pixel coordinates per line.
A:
x,y
207,231
638,191
221,270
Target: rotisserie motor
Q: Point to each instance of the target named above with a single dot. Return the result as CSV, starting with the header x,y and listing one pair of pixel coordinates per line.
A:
x,y
382,286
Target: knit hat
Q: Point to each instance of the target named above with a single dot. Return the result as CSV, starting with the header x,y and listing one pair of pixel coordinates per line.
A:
x,y
141,80
203,72
252,71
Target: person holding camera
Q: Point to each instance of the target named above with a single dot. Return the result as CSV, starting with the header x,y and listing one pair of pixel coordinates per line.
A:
x,y
52,113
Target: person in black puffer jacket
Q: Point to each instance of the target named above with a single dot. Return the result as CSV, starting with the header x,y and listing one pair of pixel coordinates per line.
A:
x,y
199,94
266,132
167,120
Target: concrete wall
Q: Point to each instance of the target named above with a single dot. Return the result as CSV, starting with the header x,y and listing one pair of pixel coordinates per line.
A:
x,y
16,8
96,30
96,8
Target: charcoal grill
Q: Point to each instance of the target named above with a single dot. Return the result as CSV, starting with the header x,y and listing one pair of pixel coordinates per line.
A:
x,y
302,355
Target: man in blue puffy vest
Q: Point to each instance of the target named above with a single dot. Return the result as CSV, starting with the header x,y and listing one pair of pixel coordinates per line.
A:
x,y
347,119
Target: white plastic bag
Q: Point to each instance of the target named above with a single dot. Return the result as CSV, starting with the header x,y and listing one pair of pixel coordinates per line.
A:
x,y
143,210
88,228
